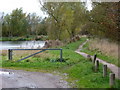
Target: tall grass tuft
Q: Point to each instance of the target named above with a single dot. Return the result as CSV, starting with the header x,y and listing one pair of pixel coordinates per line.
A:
x,y
106,47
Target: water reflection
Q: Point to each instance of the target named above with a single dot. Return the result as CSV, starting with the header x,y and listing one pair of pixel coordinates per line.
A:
x,y
21,44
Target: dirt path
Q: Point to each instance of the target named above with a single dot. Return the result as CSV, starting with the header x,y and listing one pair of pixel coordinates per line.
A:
x,y
24,79
112,67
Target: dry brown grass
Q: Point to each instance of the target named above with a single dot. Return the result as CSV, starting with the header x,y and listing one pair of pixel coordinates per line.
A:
x,y
106,47
17,53
53,43
23,53
4,52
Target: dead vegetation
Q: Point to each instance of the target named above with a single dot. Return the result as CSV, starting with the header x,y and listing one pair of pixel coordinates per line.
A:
x,y
105,46
53,43
3,52
23,53
57,43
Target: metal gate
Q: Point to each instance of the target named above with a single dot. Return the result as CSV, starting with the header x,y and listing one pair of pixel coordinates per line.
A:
x,y
42,50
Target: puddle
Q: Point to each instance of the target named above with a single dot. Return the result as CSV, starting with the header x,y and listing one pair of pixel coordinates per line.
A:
x,y
29,87
5,73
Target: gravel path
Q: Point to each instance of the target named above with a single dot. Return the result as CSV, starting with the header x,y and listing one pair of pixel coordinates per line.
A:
x,y
112,67
24,79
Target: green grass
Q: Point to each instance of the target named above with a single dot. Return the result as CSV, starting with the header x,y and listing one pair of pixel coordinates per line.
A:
x,y
24,38
15,39
109,59
79,70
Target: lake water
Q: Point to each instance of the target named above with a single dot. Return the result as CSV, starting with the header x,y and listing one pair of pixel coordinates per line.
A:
x,y
21,44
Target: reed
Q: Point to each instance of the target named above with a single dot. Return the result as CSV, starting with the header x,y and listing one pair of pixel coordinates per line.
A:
x,y
106,47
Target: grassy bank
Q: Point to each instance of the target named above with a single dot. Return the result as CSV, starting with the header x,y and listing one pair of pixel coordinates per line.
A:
x,y
78,69
105,50
24,38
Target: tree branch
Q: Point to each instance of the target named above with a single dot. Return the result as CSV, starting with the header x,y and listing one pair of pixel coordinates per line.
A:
x,y
48,12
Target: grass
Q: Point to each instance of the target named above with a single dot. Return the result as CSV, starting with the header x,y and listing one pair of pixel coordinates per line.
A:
x,y
23,38
107,47
79,70
14,39
103,51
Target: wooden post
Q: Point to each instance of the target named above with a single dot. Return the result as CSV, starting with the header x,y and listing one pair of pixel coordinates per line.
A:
x,y
89,58
104,70
9,54
112,79
94,58
96,65
61,55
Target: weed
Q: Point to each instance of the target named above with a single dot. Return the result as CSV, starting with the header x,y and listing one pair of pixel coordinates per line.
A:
x,y
79,70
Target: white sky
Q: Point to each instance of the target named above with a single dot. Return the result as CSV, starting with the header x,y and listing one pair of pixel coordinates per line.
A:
x,y
29,6
89,4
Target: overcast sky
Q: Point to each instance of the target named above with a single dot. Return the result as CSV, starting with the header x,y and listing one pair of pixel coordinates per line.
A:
x,y
29,6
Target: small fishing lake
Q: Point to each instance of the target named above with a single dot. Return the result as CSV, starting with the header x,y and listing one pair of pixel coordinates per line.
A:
x,y
21,44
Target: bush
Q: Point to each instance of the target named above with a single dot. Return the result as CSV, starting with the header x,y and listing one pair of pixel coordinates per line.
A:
x,y
21,39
